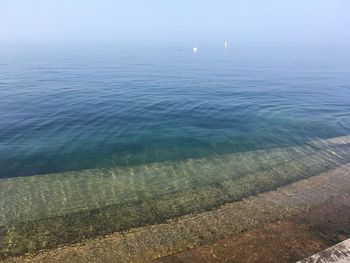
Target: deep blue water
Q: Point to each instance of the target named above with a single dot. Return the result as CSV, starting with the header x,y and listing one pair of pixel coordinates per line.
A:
x,y
65,109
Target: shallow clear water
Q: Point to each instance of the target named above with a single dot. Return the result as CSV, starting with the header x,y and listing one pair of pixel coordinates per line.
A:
x,y
66,109
95,140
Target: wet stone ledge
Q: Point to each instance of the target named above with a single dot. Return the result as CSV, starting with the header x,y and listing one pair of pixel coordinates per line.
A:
x,y
220,185
148,243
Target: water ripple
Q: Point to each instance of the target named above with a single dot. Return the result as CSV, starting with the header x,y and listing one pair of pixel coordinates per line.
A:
x,y
83,110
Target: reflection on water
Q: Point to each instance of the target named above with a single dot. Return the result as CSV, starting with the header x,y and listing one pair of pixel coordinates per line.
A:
x,y
47,210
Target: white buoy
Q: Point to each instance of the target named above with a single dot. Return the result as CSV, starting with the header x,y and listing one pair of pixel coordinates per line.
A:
x,y
226,44
195,49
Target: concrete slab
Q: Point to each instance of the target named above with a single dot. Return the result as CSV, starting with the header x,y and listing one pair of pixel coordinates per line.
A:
x,y
340,253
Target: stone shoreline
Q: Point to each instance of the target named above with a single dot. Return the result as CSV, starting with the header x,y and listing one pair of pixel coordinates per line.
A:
x,y
151,242
288,240
43,212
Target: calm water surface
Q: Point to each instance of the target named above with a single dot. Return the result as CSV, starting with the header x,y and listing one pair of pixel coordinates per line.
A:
x,y
96,140
65,109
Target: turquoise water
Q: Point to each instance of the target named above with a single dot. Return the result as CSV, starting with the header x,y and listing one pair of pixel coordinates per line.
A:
x,y
46,211
65,109
96,140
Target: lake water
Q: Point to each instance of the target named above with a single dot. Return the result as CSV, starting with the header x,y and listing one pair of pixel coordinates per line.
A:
x,y
66,109
123,137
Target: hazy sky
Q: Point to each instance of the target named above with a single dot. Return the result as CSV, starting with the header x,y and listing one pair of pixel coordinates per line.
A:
x,y
243,22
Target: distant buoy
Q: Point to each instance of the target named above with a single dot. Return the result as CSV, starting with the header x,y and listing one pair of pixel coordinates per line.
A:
x,y
226,44
195,49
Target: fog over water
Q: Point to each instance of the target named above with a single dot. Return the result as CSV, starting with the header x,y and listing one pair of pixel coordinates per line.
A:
x,y
197,22
123,114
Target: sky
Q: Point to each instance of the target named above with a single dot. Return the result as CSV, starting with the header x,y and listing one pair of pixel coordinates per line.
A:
x,y
161,22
